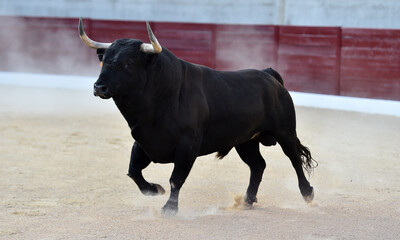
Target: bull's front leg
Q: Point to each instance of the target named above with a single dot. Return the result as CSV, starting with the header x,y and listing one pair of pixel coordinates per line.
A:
x,y
139,161
183,162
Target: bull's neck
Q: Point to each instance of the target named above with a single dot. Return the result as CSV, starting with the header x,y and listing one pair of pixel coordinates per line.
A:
x,y
159,96
133,110
145,109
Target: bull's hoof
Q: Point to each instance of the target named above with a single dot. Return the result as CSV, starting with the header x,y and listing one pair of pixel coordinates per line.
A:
x,y
247,206
155,189
309,198
169,210
250,200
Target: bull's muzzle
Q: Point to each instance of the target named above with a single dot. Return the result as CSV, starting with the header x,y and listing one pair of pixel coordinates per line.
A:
x,y
101,91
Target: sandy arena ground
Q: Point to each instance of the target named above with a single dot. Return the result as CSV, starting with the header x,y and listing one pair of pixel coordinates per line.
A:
x,y
64,156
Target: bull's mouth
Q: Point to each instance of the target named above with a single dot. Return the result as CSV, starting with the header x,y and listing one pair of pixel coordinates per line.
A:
x,y
103,96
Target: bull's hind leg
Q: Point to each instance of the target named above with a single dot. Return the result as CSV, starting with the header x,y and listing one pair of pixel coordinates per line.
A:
x,y
249,152
139,161
292,147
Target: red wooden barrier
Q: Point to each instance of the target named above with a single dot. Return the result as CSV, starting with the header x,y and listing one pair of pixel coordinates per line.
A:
x,y
109,31
191,42
328,60
370,63
246,46
308,58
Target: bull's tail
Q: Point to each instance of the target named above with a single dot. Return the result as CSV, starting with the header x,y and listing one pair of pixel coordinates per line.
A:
x,y
307,161
274,73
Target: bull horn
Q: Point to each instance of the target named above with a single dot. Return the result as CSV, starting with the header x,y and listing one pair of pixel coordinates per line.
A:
x,y
89,42
154,47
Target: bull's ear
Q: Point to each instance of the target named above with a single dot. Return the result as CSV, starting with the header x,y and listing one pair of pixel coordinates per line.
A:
x,y
151,59
100,53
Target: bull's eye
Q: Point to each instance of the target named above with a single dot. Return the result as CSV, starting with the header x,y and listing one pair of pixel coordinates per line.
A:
x,y
112,64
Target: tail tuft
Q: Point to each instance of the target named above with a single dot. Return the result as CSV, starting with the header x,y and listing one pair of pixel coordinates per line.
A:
x,y
307,161
274,73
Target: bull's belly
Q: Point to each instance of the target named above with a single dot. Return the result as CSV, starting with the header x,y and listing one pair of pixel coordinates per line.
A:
x,y
161,145
224,142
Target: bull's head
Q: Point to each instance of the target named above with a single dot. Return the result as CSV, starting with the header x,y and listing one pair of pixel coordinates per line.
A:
x,y
124,63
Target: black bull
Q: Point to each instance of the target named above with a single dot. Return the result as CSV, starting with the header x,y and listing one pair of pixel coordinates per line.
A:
x,y
178,111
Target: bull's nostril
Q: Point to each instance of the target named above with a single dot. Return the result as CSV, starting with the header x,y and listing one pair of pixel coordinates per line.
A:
x,y
101,91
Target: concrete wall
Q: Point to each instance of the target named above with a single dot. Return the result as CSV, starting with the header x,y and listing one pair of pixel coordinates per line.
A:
x,y
344,13
196,11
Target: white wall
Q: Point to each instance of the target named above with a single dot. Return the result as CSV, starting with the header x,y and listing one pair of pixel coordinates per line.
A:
x,y
346,13
200,11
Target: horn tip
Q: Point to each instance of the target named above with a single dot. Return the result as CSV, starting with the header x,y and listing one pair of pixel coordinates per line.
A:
x,y
80,27
148,27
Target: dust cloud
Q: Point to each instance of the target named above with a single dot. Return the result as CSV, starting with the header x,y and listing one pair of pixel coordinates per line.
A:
x,y
38,45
